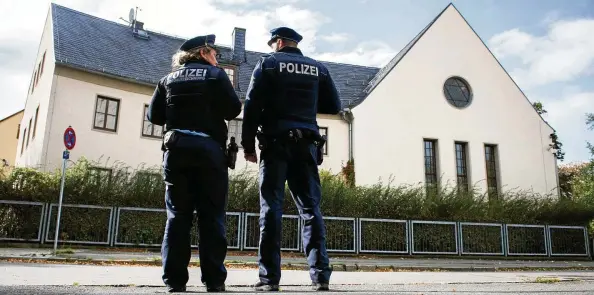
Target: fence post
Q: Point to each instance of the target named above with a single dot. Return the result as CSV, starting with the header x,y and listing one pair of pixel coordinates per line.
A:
x,y
459,246
411,238
548,241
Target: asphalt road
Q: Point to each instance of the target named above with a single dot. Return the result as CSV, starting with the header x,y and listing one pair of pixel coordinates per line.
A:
x,y
571,288
30,278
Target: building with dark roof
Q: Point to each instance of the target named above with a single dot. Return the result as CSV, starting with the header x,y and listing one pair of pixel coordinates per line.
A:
x,y
428,104
10,137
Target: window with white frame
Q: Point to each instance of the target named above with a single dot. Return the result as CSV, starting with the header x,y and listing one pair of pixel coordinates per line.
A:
x,y
106,114
148,128
324,132
234,129
230,70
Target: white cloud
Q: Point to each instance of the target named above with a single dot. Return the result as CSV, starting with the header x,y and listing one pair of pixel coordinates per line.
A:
x,y
252,2
372,53
335,37
568,116
565,53
19,40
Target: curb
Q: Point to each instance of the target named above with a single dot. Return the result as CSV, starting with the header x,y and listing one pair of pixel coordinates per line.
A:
x,y
291,266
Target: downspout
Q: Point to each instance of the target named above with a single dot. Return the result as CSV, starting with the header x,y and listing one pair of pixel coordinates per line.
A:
x,y
348,117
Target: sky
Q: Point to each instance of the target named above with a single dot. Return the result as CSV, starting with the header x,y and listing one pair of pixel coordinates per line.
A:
x,y
546,46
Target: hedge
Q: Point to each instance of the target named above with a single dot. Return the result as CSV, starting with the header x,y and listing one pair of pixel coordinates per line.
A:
x,y
144,187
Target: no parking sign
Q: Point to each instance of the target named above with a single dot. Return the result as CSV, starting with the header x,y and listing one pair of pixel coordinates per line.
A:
x,y
69,138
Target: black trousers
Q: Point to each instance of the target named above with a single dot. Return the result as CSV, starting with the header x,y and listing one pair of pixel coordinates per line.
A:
x,y
296,164
196,178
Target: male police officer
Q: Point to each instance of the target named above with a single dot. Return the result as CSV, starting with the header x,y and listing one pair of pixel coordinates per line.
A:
x,y
286,91
193,102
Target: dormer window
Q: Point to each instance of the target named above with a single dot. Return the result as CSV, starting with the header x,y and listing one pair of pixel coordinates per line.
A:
x,y
230,70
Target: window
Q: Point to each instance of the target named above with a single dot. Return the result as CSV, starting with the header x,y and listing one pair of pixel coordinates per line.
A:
x,y
18,132
23,142
430,162
106,113
491,163
31,85
230,70
34,81
461,166
324,132
43,62
38,73
149,180
235,130
35,126
457,92
29,135
100,176
148,129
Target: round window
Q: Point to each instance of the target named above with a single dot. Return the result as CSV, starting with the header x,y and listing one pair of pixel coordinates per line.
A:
x,y
457,92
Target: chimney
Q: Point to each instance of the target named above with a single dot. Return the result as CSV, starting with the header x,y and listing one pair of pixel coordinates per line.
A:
x,y
138,30
238,45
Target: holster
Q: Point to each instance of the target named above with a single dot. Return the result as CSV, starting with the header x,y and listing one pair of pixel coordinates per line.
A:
x,y
231,153
297,136
170,140
263,142
320,141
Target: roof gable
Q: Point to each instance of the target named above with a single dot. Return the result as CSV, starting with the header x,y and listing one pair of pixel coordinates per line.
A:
x,y
382,73
10,116
392,64
97,45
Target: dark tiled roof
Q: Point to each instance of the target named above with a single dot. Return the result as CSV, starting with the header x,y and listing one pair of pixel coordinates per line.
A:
x,y
103,46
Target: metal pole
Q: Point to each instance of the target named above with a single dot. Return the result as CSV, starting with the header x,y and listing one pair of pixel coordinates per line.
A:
x,y
60,204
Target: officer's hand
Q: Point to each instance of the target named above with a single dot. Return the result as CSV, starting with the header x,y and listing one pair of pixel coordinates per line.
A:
x,y
251,157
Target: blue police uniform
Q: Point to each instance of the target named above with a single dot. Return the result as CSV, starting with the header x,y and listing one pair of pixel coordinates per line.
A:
x,y
286,91
193,103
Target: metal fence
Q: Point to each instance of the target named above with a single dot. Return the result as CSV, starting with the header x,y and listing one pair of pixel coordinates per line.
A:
x,y
290,232
481,238
383,236
81,224
21,221
143,227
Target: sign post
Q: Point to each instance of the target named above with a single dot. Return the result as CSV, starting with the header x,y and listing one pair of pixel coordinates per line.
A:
x,y
69,143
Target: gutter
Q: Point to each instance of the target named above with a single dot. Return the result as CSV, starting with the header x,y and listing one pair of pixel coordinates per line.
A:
x,y
347,116
106,74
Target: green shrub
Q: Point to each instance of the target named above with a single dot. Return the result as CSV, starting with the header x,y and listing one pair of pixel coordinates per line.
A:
x,y
144,187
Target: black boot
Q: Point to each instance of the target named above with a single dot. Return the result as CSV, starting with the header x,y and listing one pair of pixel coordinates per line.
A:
x,y
261,287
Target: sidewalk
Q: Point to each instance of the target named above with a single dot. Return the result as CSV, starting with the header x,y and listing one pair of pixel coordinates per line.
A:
x,y
298,262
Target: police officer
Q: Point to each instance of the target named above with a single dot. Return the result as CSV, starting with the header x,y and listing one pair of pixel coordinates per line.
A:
x,y
193,102
286,91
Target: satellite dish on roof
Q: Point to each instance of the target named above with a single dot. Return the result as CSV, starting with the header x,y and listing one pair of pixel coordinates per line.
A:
x,y
131,15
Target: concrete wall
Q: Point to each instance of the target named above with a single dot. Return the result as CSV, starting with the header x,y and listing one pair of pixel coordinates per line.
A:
x,y
38,106
9,131
410,105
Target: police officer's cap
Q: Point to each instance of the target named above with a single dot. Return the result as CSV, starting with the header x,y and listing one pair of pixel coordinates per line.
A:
x,y
284,33
199,42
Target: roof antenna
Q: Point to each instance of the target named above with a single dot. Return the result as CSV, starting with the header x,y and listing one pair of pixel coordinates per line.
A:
x,y
132,14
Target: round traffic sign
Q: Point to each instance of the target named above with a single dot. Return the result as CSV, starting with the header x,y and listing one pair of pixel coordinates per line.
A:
x,y
69,138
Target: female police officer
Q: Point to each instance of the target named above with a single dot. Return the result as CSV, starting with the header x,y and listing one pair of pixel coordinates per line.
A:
x,y
193,103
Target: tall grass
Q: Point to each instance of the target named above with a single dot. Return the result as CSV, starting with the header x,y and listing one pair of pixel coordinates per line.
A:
x,y
144,187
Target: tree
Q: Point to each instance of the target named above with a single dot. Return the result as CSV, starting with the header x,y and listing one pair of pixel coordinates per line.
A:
x,y
539,108
556,145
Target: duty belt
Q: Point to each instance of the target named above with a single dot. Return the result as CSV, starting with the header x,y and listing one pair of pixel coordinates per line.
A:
x,y
175,139
292,135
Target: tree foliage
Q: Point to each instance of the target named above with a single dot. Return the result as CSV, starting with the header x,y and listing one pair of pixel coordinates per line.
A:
x,y
556,145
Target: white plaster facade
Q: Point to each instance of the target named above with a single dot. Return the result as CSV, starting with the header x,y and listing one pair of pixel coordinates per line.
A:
x,y
38,107
409,106
388,131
